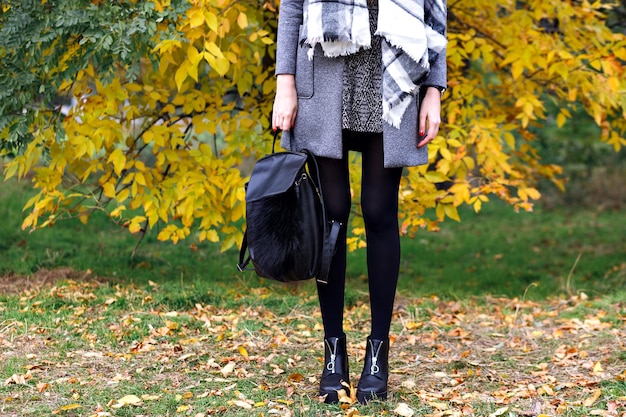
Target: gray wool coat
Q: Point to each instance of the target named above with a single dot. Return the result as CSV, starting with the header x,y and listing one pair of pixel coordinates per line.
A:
x,y
319,86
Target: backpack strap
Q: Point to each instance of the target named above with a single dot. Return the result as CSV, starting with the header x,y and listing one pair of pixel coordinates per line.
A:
x,y
328,250
331,228
243,260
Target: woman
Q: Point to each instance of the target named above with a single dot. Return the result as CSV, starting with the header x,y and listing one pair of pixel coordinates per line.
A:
x,y
348,78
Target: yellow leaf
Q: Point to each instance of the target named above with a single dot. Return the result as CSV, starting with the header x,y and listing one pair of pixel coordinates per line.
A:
x,y
182,408
181,75
499,412
517,69
123,195
128,400
109,190
211,20
196,17
451,212
10,170
435,176
140,179
242,20
212,236
70,407
213,49
221,66
193,55
597,368
118,159
242,351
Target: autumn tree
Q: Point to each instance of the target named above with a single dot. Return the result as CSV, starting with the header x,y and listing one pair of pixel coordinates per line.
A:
x,y
172,98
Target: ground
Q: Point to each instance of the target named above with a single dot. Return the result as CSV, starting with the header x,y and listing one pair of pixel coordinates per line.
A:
x,y
120,354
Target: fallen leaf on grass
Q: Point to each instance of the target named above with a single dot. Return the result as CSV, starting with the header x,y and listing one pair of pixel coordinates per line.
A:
x,y
499,412
70,407
18,379
228,368
351,412
242,404
594,397
597,368
42,386
242,351
295,378
128,400
404,410
344,398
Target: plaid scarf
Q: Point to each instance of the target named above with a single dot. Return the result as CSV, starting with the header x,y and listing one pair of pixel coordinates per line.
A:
x,y
413,31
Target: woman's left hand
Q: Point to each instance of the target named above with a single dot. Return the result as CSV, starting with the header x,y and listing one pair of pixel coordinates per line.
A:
x,y
430,116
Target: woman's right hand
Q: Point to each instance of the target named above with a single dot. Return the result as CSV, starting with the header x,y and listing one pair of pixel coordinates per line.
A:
x,y
285,102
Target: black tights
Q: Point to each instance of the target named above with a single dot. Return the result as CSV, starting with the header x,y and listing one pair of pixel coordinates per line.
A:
x,y
379,202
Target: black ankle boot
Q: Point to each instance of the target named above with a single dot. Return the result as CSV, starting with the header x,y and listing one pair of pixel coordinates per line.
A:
x,y
373,382
335,369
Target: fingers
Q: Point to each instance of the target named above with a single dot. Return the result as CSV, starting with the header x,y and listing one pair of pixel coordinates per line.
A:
x,y
431,132
283,120
429,117
285,103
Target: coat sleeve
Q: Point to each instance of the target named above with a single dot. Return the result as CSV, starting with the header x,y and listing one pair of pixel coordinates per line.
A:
x,y
436,15
289,22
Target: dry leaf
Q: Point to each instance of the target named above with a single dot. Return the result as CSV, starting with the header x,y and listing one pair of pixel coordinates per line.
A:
x,y
343,397
17,379
228,368
597,368
127,400
42,386
499,412
351,412
410,384
70,407
295,377
404,410
242,351
594,397
242,404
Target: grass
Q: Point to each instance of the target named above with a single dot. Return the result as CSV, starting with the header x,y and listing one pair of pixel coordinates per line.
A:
x,y
491,315
497,251
81,348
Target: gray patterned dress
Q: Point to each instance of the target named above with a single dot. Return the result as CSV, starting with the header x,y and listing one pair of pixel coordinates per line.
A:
x,y
362,108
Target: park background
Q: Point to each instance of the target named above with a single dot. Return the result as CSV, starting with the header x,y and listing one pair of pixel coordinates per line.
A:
x,y
518,309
